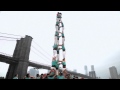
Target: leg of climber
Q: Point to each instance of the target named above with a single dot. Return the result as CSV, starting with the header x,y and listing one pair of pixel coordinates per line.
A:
x,y
57,54
57,26
57,62
55,47
63,38
58,39
64,63
53,63
62,24
57,67
63,49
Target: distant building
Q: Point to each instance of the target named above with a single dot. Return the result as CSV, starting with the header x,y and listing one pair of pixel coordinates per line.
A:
x,y
119,76
92,68
92,72
86,70
33,72
113,72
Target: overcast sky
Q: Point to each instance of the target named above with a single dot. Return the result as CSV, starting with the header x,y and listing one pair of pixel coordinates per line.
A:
x,y
91,37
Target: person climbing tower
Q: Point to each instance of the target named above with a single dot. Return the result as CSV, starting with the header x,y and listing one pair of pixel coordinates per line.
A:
x,y
63,37
63,49
59,16
56,37
55,64
55,47
56,50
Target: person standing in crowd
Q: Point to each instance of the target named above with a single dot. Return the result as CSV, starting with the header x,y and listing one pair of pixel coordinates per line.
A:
x,y
41,76
16,76
52,73
37,76
60,76
27,76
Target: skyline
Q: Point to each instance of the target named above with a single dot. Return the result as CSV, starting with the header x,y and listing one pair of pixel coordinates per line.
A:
x,y
92,37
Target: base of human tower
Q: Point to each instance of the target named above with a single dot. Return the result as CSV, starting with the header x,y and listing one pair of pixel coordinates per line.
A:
x,y
56,63
56,47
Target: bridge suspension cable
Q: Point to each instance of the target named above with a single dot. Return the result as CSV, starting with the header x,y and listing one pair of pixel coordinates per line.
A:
x,y
42,48
11,34
7,40
9,37
41,53
40,56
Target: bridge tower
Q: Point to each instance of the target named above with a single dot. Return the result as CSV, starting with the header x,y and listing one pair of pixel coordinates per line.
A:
x,y
21,53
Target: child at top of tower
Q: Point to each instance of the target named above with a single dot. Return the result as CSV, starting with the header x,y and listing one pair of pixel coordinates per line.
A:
x,y
59,15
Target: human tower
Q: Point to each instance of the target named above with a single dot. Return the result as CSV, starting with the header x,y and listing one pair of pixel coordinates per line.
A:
x,y
59,32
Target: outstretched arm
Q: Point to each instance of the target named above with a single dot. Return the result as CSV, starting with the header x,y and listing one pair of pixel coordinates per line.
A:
x,y
59,61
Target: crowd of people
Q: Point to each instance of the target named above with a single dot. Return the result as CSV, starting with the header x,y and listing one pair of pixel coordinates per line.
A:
x,y
50,75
